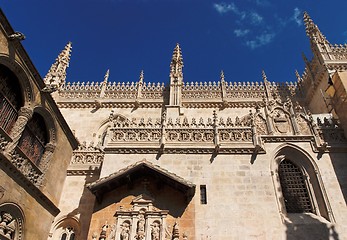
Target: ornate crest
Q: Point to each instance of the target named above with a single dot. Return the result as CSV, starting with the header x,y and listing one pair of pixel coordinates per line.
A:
x,y
281,121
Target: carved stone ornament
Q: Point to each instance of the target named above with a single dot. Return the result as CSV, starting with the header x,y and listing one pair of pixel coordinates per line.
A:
x,y
10,226
141,222
281,121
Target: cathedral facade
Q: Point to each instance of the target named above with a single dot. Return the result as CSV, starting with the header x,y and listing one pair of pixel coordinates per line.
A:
x,y
178,161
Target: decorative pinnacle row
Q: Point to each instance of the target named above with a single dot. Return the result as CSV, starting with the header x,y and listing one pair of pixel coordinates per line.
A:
x,y
56,75
176,65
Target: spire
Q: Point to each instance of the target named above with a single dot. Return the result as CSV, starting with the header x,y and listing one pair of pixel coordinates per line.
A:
x,y
56,75
266,84
223,88
107,74
104,83
222,79
176,65
142,77
176,77
313,31
139,85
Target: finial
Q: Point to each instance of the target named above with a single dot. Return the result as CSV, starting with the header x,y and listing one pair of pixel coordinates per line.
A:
x,y
222,76
56,75
142,77
104,84
107,74
176,65
264,76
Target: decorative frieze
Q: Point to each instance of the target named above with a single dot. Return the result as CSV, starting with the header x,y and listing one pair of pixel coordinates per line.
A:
x,y
27,168
87,155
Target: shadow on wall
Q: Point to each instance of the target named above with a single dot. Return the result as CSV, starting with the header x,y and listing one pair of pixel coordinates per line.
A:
x,y
309,226
339,163
85,207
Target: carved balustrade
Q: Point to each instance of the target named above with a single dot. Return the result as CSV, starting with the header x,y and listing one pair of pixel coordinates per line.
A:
x,y
113,90
190,90
180,133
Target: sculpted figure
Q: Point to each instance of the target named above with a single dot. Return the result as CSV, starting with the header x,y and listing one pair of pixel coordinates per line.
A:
x,y
124,235
140,227
155,231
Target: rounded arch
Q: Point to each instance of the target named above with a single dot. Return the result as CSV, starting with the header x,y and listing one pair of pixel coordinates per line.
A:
x,y
68,225
12,216
49,122
38,138
18,70
298,157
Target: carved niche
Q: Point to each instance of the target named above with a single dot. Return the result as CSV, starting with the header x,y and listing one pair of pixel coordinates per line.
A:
x,y
142,221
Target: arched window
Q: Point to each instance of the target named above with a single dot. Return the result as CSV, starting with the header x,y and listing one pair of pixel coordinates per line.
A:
x,y
294,188
299,187
68,234
10,98
34,138
66,229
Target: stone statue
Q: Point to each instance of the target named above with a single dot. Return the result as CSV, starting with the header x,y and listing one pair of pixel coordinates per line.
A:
x,y
155,231
140,235
124,235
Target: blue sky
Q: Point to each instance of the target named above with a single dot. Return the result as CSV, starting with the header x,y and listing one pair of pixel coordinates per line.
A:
x,y
126,36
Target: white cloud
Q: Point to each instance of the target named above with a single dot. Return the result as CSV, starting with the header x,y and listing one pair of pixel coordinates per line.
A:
x,y
297,16
255,18
228,7
241,32
261,40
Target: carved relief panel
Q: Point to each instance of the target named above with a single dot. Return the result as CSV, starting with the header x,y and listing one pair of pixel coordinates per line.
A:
x,y
281,122
142,221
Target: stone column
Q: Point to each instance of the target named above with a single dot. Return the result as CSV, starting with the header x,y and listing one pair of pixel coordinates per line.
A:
x,y
46,156
24,114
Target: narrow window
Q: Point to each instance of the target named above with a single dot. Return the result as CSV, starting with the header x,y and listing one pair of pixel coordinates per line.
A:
x,y
294,188
63,237
34,138
10,99
203,197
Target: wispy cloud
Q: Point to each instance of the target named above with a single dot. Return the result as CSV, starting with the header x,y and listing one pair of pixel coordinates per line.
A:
x,y
241,32
261,40
255,18
228,7
297,16
252,26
